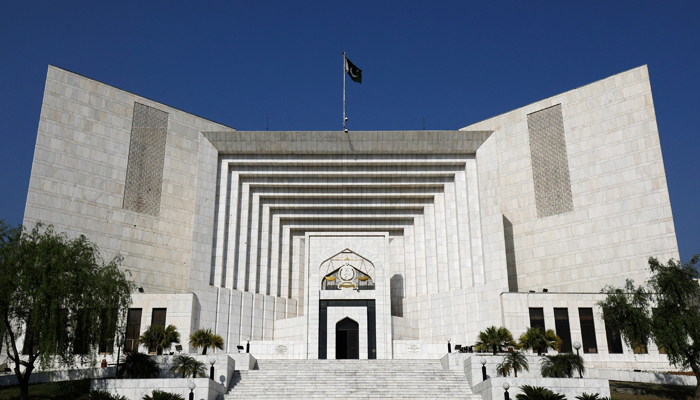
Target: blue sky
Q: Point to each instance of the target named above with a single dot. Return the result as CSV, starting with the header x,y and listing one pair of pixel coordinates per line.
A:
x,y
451,62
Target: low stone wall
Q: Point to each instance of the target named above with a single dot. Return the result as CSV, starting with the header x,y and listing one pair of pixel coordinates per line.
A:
x,y
207,389
471,364
492,389
645,377
60,375
135,389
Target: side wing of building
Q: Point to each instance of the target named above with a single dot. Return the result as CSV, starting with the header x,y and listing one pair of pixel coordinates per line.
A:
x,y
580,183
133,175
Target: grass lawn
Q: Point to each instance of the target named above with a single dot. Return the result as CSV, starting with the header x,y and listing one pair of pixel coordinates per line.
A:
x,y
649,391
68,390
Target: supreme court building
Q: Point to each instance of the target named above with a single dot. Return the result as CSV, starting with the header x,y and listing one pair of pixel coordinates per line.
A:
x,y
377,244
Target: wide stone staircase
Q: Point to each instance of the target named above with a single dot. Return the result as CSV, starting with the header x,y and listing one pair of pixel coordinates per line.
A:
x,y
349,379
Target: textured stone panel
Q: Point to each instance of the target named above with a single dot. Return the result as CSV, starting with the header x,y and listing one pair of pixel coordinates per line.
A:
x,y
144,173
550,165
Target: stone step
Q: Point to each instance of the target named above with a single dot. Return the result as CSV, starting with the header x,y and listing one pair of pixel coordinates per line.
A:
x,y
349,379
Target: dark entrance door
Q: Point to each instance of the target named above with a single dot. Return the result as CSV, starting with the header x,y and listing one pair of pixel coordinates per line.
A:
x,y
347,339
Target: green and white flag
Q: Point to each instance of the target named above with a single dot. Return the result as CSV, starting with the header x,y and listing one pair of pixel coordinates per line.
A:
x,y
354,72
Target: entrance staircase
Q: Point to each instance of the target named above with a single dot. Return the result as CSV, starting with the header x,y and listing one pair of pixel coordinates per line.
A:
x,y
349,379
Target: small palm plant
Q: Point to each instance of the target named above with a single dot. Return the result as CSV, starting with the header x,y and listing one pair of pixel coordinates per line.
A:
x,y
494,339
158,338
104,395
538,393
539,340
513,361
562,365
161,395
186,365
205,338
586,396
137,365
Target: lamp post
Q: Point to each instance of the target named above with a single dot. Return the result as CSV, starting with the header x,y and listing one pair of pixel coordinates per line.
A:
x,y
191,385
212,361
483,367
449,346
506,386
577,345
120,342
247,346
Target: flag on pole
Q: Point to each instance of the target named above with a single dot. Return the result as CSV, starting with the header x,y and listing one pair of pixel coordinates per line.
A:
x,y
354,72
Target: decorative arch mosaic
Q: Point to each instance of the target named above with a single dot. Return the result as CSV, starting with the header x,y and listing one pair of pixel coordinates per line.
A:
x,y
347,270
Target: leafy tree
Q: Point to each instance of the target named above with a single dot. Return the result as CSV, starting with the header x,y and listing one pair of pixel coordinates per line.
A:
x,y
104,395
205,338
513,361
562,365
673,324
160,338
137,365
494,339
58,296
538,393
161,395
539,340
186,365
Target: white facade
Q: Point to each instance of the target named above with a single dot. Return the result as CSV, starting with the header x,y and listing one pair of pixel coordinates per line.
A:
x,y
238,231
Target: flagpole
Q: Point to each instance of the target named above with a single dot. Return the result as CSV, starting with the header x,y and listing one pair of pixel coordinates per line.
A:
x,y
344,119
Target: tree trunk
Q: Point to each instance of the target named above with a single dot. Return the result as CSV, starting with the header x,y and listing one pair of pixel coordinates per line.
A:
x,y
24,391
494,350
696,371
24,383
205,351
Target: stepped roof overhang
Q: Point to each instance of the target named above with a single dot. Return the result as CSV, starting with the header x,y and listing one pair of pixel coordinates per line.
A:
x,y
353,142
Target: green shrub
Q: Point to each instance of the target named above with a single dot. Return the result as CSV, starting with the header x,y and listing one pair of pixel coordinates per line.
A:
x,y
538,393
562,365
159,338
205,338
586,396
185,365
138,366
494,339
513,361
161,395
105,395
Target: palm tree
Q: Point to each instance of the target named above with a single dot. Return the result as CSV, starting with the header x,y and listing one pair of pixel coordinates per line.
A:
x,y
159,338
205,338
538,393
513,361
186,365
137,365
539,340
562,365
494,339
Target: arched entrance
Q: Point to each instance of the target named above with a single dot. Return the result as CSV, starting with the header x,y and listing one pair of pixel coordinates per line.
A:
x,y
347,339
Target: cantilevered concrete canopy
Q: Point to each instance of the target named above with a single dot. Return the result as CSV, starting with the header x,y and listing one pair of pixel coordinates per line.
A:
x,y
338,142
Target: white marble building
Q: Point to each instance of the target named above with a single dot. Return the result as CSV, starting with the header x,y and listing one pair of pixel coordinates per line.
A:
x,y
364,244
